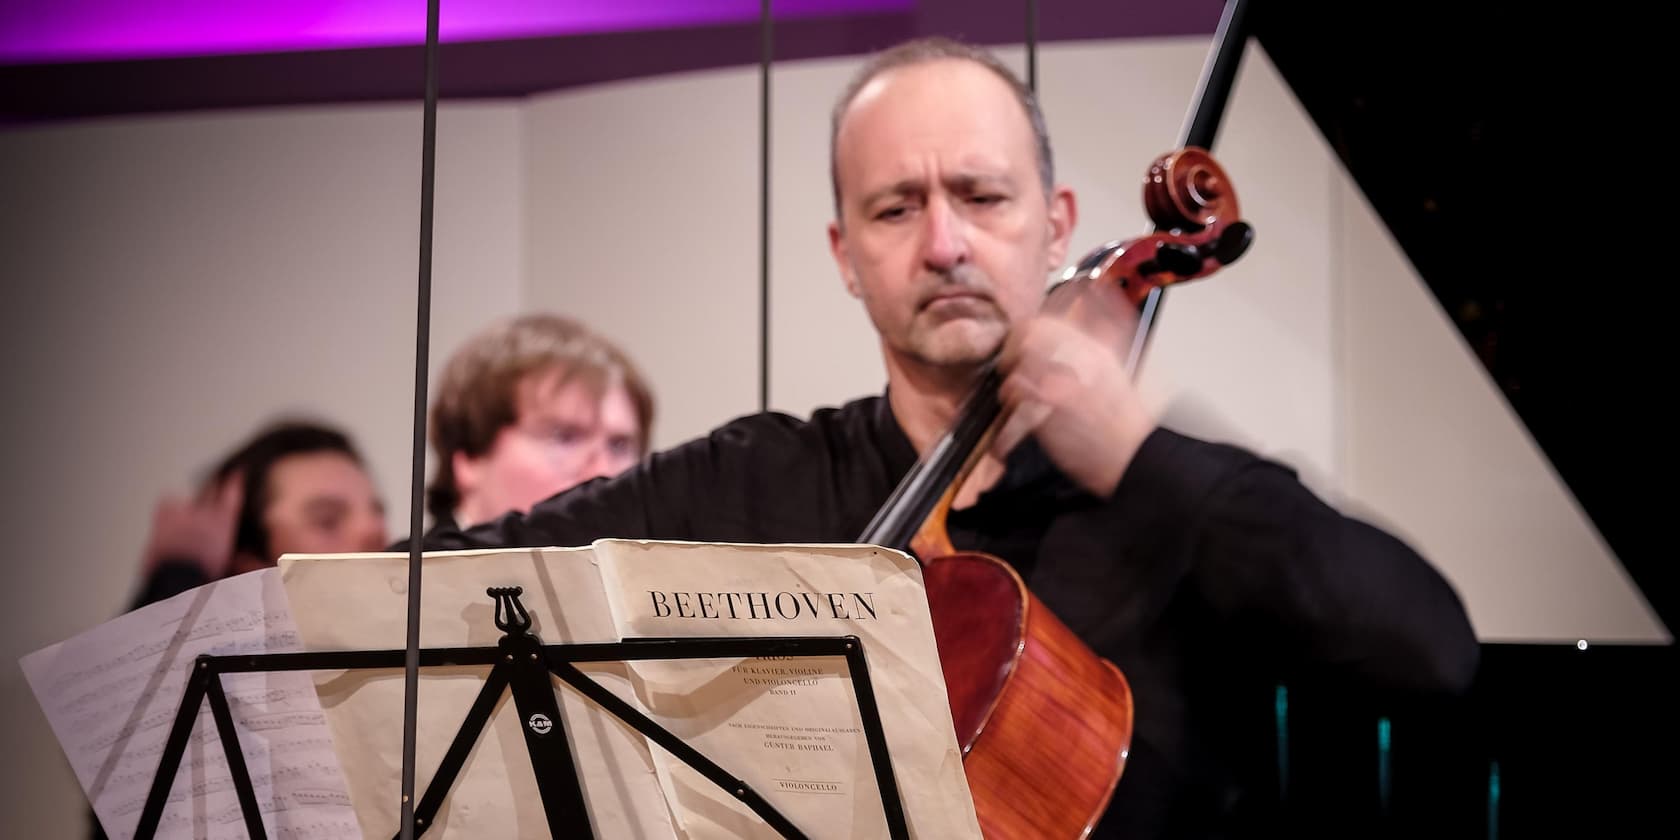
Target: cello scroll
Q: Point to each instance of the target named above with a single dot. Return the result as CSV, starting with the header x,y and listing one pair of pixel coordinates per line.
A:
x,y
1199,229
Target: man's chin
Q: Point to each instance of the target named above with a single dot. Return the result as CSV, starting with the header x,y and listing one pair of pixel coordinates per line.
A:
x,y
958,354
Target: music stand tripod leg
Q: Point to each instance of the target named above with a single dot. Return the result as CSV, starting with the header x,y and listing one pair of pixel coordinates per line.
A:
x,y
235,756
170,762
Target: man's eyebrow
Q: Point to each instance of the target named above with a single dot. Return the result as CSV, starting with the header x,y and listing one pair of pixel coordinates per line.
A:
x,y
970,181
908,186
325,504
959,182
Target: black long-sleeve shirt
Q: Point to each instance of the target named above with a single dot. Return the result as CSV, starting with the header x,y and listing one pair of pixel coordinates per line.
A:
x,y
1206,562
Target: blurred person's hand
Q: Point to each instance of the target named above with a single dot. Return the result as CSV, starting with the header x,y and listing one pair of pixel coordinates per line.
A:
x,y
197,531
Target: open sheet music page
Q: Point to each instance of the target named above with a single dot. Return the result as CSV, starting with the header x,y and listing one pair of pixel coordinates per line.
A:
x,y
111,695
360,602
790,727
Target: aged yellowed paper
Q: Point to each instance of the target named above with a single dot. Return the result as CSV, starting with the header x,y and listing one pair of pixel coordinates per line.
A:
x,y
351,602
792,726
789,727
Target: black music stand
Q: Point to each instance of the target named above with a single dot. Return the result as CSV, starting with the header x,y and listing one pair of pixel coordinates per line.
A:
x,y
522,663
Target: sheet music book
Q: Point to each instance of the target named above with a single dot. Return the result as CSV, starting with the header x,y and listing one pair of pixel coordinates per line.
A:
x,y
789,728
327,761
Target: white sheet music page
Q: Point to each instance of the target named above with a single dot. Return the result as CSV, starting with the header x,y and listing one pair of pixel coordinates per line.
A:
x,y
790,726
112,693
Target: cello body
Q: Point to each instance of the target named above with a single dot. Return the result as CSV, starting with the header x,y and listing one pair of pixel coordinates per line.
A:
x,y
1044,724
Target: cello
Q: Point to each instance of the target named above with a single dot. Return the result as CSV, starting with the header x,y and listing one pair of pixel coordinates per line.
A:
x,y
1044,724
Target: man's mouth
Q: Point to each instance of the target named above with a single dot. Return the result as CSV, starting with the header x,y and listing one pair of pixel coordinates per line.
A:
x,y
957,295
958,304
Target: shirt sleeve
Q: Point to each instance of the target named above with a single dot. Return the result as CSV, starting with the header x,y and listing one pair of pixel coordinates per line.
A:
x,y
722,487
169,578
632,505
1274,571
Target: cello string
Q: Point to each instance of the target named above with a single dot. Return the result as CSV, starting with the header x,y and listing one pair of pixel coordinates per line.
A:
x,y
765,25
411,657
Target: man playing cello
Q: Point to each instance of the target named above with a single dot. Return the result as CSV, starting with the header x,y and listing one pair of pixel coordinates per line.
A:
x,y
1174,558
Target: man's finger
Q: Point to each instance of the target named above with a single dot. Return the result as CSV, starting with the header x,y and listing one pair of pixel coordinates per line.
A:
x,y
1024,351
1024,413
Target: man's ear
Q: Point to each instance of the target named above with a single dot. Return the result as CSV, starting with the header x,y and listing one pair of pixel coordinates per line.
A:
x,y
466,470
1064,215
842,259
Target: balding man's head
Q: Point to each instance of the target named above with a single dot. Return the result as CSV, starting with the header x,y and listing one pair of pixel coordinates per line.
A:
x,y
924,50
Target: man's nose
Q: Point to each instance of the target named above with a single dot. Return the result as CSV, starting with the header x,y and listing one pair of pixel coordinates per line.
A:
x,y
945,236
598,464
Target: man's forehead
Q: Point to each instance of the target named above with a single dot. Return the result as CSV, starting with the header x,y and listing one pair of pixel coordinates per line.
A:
x,y
562,382
955,100
564,395
311,473
949,78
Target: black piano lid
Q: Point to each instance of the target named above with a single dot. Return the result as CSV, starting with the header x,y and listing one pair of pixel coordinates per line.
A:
x,y
1512,153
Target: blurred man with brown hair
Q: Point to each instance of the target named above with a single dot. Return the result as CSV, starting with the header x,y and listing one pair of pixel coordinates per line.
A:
x,y
529,407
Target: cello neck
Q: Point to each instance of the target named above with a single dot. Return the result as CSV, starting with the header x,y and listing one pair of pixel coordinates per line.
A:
x,y
913,517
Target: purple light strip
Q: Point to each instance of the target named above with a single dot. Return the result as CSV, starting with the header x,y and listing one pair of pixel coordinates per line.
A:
x,y
37,31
